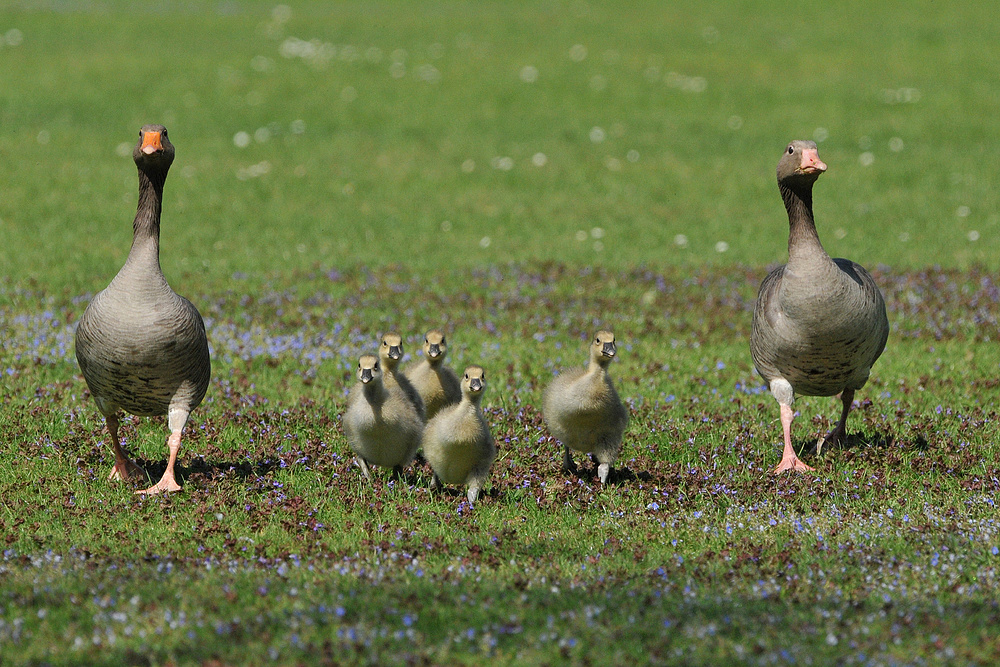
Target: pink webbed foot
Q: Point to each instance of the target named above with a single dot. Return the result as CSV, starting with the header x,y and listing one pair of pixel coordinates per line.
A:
x,y
789,461
168,483
792,463
165,485
125,470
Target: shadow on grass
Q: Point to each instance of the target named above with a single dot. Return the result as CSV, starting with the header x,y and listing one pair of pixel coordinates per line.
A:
x,y
616,476
859,442
203,472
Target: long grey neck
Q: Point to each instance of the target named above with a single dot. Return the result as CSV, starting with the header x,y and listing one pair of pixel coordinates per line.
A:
x,y
803,240
146,227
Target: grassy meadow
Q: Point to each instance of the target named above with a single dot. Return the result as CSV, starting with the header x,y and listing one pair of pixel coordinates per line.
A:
x,y
518,174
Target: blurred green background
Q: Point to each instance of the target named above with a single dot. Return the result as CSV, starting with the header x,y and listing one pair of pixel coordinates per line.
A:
x,y
451,134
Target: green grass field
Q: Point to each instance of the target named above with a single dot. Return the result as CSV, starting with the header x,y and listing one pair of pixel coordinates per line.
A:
x,y
519,174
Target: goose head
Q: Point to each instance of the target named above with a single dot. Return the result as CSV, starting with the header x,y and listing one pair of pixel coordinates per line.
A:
x,y
153,150
800,165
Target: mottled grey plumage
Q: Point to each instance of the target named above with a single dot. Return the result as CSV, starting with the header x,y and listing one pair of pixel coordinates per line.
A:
x,y
819,323
583,411
457,441
390,351
436,383
382,425
141,347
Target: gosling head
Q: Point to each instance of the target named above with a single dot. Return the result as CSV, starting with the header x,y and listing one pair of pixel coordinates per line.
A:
x,y
603,349
474,382
435,346
391,349
368,369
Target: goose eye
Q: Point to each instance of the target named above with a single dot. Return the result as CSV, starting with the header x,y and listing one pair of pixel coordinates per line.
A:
x,y
375,366
791,150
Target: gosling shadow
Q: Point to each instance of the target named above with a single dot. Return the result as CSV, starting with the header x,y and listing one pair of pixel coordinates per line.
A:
x,y
616,475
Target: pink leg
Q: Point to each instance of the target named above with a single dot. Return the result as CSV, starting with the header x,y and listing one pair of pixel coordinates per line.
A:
x,y
124,468
839,431
168,482
176,419
789,461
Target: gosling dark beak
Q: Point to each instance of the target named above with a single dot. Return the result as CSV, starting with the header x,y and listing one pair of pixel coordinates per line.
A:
x,y
395,351
366,375
434,350
609,350
475,384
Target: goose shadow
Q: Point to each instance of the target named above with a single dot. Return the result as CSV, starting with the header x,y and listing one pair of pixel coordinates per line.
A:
x,y
859,441
201,470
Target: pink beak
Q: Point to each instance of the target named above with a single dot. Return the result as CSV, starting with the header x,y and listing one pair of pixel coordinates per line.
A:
x,y
811,162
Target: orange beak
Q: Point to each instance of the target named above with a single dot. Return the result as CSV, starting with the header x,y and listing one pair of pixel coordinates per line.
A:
x,y
151,143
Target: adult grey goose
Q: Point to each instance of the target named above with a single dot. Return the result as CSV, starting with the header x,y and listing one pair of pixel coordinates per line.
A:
x,y
141,347
583,410
819,323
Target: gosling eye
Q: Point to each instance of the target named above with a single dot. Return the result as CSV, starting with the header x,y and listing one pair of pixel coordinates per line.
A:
x,y
375,366
791,149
